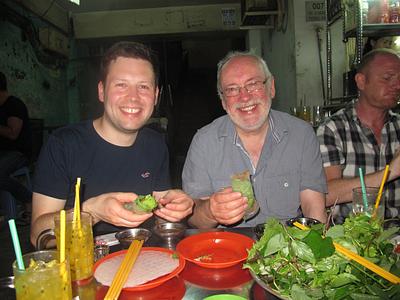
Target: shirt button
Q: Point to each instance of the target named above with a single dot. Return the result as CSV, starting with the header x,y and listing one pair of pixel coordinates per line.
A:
x,y
286,184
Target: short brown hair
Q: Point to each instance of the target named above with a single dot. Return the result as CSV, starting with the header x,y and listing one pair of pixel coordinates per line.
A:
x,y
370,56
129,50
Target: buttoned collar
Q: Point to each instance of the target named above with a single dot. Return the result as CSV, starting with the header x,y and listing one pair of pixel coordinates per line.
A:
x,y
277,128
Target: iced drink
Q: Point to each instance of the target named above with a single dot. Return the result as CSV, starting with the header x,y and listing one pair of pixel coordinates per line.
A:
x,y
44,277
370,195
79,246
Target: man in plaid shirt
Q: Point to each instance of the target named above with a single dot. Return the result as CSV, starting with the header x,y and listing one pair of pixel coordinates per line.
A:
x,y
366,134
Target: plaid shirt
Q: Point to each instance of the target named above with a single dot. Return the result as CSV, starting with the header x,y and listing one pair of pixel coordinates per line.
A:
x,y
345,141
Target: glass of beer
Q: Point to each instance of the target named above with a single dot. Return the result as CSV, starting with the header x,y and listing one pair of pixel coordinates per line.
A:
x,y
44,277
79,246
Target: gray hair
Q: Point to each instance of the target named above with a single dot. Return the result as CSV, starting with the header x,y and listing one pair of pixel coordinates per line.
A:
x,y
234,54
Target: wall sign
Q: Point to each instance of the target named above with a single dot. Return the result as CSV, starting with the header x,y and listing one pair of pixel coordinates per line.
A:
x,y
315,11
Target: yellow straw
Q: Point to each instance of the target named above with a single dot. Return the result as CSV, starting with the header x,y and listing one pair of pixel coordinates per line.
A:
x,y
62,235
361,260
77,209
63,270
384,178
123,271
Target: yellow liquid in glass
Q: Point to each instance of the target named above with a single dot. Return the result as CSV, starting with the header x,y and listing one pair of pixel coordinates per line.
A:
x,y
79,249
43,284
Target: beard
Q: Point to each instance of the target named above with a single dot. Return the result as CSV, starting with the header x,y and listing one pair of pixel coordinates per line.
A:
x,y
261,112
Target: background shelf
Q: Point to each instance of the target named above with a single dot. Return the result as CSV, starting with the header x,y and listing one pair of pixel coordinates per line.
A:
x,y
391,29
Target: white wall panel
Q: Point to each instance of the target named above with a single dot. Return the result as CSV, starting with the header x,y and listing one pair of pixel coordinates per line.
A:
x,y
156,21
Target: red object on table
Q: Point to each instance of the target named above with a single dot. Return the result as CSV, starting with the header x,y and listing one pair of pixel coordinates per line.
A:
x,y
217,249
215,279
173,289
151,284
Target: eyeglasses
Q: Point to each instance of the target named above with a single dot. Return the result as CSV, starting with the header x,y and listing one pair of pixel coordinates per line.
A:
x,y
251,87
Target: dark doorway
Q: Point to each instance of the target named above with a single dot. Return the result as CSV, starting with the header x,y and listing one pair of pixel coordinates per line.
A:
x,y
190,98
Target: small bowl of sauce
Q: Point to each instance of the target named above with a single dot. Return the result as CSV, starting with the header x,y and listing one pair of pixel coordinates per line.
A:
x,y
169,230
126,237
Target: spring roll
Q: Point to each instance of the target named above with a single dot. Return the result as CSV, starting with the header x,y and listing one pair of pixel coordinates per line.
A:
x,y
241,183
142,204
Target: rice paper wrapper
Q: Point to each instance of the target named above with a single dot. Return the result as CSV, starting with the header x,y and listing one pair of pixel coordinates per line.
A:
x,y
148,266
241,183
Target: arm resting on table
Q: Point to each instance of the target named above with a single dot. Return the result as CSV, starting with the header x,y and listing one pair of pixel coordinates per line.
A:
x,y
342,188
44,208
202,217
313,205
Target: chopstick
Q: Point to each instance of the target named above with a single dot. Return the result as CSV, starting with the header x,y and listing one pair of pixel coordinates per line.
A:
x,y
361,260
124,270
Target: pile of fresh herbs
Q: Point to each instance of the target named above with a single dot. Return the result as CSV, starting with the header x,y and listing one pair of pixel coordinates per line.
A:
x,y
304,264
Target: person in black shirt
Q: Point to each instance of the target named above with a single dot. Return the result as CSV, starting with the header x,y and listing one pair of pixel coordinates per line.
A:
x,y
117,157
15,142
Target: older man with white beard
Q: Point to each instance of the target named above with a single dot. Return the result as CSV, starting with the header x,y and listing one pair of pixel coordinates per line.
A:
x,y
281,153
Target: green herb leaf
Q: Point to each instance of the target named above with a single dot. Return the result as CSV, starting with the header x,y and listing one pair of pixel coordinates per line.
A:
x,y
303,251
298,293
343,279
336,231
387,234
276,243
320,247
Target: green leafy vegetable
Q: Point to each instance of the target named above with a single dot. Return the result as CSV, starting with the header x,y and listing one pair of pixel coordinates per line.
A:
x,y
142,204
304,265
320,247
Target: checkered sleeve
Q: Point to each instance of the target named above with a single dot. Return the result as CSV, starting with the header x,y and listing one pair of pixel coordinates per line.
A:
x,y
331,146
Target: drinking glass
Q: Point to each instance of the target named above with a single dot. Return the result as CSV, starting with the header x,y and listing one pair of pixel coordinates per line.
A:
x,y
41,279
79,246
306,113
371,195
293,111
317,115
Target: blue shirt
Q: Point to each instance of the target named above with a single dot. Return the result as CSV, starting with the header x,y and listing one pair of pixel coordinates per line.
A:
x,y
290,162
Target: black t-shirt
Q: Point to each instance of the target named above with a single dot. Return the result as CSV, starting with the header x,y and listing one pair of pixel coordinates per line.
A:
x,y
78,151
14,107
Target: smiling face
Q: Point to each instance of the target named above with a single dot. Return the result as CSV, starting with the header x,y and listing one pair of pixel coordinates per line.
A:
x,y
248,111
129,95
379,83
